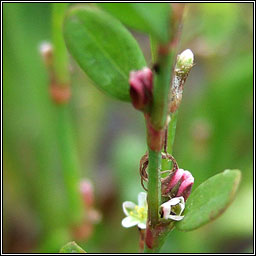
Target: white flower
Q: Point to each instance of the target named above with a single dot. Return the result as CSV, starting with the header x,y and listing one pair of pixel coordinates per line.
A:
x,y
136,214
173,209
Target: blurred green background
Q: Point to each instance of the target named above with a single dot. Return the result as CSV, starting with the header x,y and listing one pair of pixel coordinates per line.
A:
x,y
214,132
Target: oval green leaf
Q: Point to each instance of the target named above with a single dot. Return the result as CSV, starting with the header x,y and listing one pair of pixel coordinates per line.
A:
x,y
72,247
103,48
152,18
210,199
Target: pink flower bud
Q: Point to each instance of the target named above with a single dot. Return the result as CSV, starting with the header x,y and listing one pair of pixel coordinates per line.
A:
x,y
87,192
141,87
179,183
186,186
176,177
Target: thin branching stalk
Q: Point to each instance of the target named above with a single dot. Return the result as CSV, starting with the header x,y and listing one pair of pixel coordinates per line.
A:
x,y
60,87
60,60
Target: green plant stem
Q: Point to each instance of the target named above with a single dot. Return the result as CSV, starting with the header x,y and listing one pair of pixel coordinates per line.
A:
x,y
148,250
60,60
153,45
161,240
162,85
161,90
164,57
70,163
155,129
172,131
153,186
157,121
170,139
68,154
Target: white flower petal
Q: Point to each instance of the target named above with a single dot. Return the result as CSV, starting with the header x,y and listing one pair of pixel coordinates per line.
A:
x,y
127,205
128,222
175,217
181,198
182,207
142,225
174,201
182,204
142,199
166,208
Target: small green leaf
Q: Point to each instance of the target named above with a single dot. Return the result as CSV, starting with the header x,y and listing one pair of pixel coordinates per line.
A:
x,y
103,48
153,18
72,247
210,200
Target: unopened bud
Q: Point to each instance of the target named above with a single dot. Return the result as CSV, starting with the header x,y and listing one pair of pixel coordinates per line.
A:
x,y
60,94
87,192
141,87
186,186
46,52
178,183
185,61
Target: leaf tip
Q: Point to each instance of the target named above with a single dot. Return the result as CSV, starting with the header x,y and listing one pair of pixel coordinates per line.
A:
x,y
71,247
210,199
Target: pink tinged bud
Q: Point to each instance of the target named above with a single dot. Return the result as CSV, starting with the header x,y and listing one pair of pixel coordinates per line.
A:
x,y
46,51
180,184
141,87
186,185
147,78
87,192
176,177
45,48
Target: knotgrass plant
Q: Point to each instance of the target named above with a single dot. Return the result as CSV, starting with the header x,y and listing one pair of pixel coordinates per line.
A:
x,y
96,37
